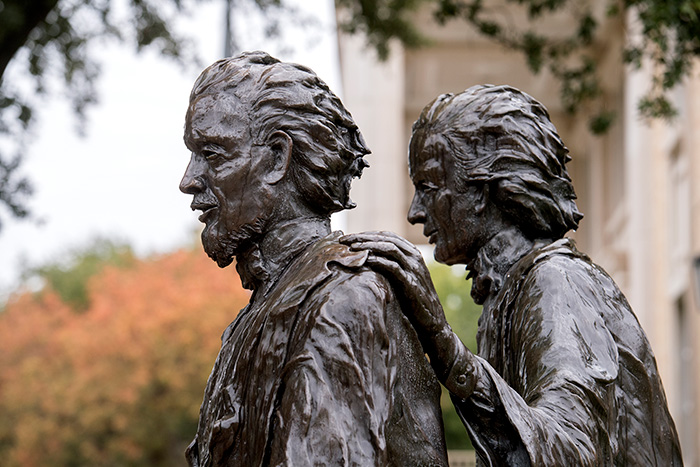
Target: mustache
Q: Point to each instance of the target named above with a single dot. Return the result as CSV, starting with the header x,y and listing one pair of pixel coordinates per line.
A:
x,y
200,201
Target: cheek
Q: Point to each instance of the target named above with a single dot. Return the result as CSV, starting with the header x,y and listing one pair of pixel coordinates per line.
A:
x,y
442,219
246,205
234,186
231,182
442,209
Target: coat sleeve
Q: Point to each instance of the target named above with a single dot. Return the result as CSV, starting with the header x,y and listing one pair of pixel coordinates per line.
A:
x,y
560,405
336,391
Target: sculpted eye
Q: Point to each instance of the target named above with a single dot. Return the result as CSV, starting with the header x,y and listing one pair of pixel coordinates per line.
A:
x,y
210,155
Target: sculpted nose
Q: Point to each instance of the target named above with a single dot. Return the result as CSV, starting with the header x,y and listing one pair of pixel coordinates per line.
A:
x,y
191,182
416,213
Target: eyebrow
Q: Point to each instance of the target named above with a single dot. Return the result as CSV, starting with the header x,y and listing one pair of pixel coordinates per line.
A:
x,y
425,172
195,140
189,144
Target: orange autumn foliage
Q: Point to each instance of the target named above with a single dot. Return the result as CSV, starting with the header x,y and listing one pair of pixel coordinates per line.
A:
x,y
120,383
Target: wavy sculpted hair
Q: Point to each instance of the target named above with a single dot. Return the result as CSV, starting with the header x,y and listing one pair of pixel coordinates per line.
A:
x,y
503,138
328,148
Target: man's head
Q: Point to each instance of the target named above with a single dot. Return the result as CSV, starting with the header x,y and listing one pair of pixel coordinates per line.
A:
x,y
486,158
270,142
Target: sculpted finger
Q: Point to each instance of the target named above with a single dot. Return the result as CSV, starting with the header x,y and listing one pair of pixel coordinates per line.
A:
x,y
391,269
404,245
383,265
385,249
363,236
389,237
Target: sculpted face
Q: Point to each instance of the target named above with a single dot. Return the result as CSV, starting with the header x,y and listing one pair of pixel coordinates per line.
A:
x,y
226,175
452,216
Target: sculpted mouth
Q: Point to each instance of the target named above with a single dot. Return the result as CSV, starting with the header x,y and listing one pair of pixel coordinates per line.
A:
x,y
432,236
206,208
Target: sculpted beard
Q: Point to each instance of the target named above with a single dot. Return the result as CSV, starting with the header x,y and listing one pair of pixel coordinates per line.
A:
x,y
223,247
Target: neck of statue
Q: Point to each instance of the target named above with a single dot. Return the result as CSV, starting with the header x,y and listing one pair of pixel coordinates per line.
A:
x,y
489,269
261,265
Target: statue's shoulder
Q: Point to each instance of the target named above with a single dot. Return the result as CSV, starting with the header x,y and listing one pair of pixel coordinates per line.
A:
x,y
326,261
347,268
562,261
328,250
561,281
318,259
557,278
554,259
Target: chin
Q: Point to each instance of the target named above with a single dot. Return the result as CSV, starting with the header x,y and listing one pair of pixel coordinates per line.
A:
x,y
223,247
221,253
445,257
440,256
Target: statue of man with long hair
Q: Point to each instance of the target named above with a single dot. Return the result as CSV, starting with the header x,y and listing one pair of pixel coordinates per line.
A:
x,y
322,367
565,374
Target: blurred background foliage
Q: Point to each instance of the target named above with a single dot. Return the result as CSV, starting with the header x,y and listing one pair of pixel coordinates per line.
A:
x,y
463,315
105,365
69,278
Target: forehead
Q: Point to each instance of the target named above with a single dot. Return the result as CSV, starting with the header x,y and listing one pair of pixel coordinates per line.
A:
x,y
427,156
216,118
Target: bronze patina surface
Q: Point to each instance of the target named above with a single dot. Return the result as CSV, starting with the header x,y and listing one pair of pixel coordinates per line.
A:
x,y
322,367
565,374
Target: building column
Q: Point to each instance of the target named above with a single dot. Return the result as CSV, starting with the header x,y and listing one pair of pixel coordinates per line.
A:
x,y
374,93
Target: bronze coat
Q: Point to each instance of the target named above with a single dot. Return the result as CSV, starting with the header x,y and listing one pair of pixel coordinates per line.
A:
x,y
323,370
571,375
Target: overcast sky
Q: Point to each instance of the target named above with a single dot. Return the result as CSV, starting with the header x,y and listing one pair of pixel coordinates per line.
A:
x,y
121,181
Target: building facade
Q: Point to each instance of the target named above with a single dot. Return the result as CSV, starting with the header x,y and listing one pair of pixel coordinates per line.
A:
x,y
638,185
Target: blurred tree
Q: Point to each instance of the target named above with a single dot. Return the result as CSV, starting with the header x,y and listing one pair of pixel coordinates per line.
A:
x,y
119,383
69,278
463,315
669,40
61,39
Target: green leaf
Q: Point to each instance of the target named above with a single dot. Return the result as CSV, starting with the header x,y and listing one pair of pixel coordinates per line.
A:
x,y
533,46
70,280
599,124
587,28
657,107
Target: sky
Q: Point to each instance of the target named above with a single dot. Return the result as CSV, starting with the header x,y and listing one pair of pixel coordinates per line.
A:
x,y
121,180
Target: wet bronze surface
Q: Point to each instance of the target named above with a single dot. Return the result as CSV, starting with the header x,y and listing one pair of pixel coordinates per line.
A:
x,y
322,367
564,374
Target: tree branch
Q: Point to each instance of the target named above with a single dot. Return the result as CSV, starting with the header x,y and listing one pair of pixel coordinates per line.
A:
x,y
21,17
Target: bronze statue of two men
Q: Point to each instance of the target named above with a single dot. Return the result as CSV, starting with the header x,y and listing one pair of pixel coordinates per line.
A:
x,y
327,363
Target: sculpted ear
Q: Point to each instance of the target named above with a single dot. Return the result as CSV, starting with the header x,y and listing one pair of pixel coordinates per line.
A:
x,y
279,144
482,199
